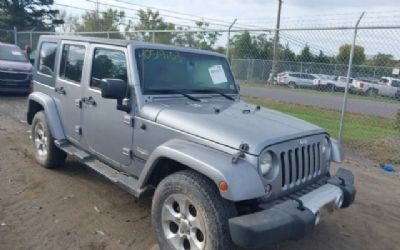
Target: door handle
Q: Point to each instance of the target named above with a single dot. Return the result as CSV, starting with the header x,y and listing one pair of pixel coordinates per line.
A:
x,y
60,90
89,101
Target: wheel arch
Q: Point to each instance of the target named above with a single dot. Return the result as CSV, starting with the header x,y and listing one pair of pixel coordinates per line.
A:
x,y
243,179
37,102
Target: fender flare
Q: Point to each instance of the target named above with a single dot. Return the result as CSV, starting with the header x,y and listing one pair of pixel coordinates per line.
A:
x,y
51,111
243,179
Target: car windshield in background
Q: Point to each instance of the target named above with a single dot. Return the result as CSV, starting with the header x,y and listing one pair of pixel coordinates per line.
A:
x,y
161,71
11,53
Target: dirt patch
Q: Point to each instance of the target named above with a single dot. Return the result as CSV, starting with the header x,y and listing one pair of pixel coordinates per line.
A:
x,y
74,208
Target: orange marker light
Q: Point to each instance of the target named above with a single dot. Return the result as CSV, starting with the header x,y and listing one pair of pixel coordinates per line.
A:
x,y
223,186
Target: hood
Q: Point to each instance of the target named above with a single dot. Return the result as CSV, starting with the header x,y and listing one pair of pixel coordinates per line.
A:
x,y
229,123
15,66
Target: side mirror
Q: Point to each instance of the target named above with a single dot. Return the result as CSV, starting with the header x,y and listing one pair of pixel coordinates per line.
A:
x,y
113,89
116,89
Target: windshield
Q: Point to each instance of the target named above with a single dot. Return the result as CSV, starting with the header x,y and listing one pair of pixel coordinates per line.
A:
x,y
161,71
12,53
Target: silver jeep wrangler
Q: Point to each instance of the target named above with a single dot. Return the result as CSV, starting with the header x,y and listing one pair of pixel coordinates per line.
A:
x,y
168,121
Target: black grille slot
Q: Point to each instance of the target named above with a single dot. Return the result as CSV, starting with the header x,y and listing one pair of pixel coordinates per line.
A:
x,y
300,164
13,76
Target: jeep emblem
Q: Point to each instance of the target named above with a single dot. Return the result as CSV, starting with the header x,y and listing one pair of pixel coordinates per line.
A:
x,y
303,142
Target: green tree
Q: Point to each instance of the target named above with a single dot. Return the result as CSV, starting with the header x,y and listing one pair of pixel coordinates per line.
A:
x,y
306,55
322,58
382,59
109,20
243,46
344,54
202,39
151,20
28,14
286,54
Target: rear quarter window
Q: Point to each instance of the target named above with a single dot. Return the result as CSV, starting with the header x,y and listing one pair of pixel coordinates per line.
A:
x,y
47,56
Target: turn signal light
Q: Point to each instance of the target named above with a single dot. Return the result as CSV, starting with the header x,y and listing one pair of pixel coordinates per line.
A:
x,y
223,186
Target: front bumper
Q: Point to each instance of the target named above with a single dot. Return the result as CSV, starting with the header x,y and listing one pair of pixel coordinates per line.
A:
x,y
294,218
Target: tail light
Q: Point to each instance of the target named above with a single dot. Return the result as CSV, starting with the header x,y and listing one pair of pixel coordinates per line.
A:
x,y
361,84
318,82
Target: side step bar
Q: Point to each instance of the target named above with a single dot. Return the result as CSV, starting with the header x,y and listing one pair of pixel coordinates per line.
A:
x,y
121,179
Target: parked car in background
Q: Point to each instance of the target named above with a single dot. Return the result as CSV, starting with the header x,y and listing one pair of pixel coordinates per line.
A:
x,y
389,87
15,69
296,79
331,83
386,86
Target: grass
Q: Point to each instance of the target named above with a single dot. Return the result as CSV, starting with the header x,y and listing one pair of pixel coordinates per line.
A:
x,y
314,91
374,136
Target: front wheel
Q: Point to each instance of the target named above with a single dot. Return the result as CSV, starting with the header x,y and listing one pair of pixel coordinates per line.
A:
x,y
46,152
189,213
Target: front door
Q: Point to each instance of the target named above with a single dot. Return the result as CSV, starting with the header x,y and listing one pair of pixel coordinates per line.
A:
x,y
68,88
108,132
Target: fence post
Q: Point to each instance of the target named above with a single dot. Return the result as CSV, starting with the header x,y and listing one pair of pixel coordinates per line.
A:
x,y
15,35
153,38
346,91
228,42
108,35
31,39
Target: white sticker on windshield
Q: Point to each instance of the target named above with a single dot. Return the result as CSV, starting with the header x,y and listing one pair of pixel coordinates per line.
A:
x,y
16,53
217,74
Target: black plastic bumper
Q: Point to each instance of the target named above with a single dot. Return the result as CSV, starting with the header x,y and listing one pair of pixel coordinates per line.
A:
x,y
285,221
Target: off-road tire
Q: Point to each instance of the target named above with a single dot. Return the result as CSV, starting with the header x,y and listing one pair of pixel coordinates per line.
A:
x,y
330,88
292,85
372,92
204,195
54,157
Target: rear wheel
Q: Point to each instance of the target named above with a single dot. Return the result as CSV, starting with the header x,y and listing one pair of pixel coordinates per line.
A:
x,y
46,152
372,92
189,213
331,88
292,85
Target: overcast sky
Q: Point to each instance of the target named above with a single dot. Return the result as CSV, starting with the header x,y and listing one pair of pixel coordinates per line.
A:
x,y
295,13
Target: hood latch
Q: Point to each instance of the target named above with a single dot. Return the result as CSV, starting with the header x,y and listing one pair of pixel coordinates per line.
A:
x,y
243,148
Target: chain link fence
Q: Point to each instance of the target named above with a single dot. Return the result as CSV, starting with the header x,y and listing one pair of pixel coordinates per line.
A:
x,y
307,75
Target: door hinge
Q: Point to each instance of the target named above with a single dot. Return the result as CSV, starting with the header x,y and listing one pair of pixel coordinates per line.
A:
x,y
127,152
78,129
78,103
129,120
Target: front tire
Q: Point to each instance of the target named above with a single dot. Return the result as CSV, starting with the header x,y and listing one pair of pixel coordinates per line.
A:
x,y
45,151
189,213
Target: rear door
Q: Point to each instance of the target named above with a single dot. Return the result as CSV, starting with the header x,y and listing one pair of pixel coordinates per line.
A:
x,y
68,87
108,132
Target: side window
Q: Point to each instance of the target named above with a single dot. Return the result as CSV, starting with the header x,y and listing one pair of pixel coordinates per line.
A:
x,y
72,62
47,58
396,83
108,63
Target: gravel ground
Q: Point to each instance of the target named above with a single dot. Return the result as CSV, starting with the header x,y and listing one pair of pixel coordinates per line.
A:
x,y
366,107
74,208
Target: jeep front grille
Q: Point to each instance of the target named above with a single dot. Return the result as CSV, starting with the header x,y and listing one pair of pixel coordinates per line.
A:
x,y
300,164
300,161
13,76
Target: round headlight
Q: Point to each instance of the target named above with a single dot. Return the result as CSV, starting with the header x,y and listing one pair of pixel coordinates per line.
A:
x,y
266,162
326,148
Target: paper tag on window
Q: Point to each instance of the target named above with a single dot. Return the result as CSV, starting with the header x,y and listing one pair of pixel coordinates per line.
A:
x,y
16,53
217,74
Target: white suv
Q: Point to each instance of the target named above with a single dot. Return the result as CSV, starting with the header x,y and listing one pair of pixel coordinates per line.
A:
x,y
296,79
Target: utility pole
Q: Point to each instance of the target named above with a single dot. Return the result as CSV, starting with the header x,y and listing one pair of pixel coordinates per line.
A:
x,y
98,16
228,42
276,41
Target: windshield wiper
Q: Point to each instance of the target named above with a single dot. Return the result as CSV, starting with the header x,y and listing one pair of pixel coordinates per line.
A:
x,y
172,91
212,91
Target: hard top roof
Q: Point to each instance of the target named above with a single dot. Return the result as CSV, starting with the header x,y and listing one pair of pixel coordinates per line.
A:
x,y
124,43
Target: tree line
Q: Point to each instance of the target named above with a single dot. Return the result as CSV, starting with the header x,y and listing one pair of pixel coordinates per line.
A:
x,y
40,15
